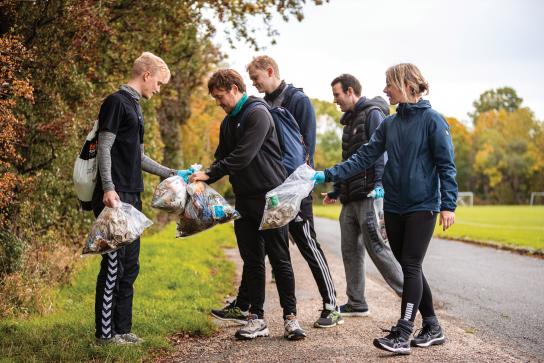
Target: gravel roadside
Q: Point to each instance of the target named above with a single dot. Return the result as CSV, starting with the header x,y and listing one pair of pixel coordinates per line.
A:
x,y
350,342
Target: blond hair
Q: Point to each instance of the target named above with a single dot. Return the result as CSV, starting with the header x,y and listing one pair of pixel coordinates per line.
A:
x,y
407,74
149,62
263,62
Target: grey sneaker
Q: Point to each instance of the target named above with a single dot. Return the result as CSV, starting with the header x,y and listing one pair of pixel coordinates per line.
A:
x,y
293,331
115,340
349,310
231,313
328,319
130,338
254,328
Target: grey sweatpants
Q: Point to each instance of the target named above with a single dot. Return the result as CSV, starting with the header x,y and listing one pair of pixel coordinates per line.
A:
x,y
358,231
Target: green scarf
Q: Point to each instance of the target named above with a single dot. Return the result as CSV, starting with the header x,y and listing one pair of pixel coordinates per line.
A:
x,y
239,105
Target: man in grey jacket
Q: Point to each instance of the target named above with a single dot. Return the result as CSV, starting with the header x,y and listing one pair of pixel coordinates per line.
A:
x,y
358,225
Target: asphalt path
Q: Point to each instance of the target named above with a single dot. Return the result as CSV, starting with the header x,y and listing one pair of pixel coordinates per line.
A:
x,y
497,294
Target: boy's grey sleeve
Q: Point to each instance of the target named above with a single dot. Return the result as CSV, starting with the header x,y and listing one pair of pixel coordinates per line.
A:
x,y
105,142
151,166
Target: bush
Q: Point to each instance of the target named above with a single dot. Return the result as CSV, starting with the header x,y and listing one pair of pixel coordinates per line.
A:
x,y
11,253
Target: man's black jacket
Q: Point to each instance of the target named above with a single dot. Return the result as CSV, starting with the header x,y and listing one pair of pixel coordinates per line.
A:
x,y
249,152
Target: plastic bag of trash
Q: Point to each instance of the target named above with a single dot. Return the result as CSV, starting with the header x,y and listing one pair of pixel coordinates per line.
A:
x,y
283,202
204,209
114,228
170,195
376,220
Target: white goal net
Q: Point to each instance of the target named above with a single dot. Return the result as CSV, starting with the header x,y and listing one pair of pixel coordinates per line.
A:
x,y
537,198
465,199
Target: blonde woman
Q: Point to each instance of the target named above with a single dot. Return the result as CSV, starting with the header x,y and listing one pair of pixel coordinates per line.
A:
x,y
419,183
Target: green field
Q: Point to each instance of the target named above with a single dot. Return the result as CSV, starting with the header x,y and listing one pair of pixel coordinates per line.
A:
x,y
516,226
180,281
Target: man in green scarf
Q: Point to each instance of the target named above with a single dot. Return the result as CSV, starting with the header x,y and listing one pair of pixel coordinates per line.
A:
x,y
249,152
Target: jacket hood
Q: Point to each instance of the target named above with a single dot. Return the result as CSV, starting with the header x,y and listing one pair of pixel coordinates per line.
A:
x,y
406,109
363,103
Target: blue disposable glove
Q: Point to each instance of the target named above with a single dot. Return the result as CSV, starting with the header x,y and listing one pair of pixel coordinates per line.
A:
x,y
185,173
319,177
377,193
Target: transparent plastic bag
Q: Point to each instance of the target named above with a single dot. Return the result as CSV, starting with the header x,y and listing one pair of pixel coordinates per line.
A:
x,y
170,195
377,221
378,210
283,202
114,228
204,209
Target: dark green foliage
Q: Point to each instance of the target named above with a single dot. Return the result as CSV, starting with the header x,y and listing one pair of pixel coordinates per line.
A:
x,y
11,252
504,98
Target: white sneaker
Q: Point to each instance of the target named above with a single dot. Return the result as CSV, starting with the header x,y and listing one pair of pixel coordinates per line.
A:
x,y
293,331
115,340
130,338
254,328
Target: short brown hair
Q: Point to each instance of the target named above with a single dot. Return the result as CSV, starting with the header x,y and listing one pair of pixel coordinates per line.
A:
x,y
347,81
262,62
407,74
225,79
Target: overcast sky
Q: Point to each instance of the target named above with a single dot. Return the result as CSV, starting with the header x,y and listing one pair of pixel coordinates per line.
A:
x,y
462,47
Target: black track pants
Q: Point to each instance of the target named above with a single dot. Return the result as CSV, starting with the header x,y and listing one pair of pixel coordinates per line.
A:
x,y
409,236
303,234
115,281
254,244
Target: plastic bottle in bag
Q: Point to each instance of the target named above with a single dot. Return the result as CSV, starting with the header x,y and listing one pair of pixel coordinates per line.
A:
x,y
283,202
204,209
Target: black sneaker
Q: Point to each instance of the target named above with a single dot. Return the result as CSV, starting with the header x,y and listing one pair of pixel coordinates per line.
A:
x,y
429,335
328,319
349,310
231,313
394,342
254,328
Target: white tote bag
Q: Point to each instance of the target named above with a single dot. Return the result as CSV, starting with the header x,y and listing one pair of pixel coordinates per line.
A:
x,y
85,169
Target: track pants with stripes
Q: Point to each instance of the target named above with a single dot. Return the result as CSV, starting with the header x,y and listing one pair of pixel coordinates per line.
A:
x,y
303,234
115,281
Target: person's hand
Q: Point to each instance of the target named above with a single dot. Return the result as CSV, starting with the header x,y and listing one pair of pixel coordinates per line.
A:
x,y
199,176
111,199
185,173
377,193
327,200
319,177
447,219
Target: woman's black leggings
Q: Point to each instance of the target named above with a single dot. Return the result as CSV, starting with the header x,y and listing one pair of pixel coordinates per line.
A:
x,y
409,236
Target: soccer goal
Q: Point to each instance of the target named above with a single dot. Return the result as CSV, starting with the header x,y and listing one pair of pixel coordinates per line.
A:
x,y
537,198
465,199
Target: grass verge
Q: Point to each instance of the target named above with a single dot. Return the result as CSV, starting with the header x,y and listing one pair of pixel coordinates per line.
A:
x,y
180,280
513,226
